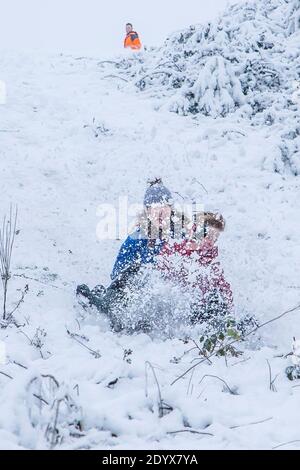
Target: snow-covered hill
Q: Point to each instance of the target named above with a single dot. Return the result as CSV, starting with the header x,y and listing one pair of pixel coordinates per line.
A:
x,y
246,63
58,171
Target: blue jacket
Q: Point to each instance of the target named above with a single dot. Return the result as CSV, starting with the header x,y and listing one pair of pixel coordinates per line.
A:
x,y
135,250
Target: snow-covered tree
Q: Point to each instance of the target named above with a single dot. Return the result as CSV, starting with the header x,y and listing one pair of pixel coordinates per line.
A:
x,y
216,92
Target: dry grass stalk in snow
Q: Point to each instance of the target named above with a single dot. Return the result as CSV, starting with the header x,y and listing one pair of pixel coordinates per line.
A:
x,y
7,238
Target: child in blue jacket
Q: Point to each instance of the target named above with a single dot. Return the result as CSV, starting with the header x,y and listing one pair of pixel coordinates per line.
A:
x,y
139,249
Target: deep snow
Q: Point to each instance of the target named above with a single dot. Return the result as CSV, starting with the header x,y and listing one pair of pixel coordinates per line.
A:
x,y
58,172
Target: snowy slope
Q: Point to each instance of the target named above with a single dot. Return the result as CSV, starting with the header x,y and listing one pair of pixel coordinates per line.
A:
x,y
58,172
246,63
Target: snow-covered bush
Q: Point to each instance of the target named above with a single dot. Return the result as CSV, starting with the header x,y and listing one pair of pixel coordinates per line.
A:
x,y
216,92
293,372
290,155
286,154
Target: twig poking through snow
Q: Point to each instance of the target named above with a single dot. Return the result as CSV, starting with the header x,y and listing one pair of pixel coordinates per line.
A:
x,y
40,282
286,443
160,402
21,300
6,375
94,353
193,431
40,398
7,239
202,185
188,389
251,424
272,381
232,392
20,365
116,76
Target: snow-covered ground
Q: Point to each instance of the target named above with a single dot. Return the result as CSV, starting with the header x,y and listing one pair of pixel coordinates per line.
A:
x,y
58,173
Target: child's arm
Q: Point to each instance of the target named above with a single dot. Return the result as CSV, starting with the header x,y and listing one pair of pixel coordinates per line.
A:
x,y
128,255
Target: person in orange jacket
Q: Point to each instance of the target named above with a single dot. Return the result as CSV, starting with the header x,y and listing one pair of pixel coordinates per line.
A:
x,y
132,39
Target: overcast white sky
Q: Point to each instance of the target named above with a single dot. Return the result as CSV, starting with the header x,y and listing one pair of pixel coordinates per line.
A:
x,y
96,26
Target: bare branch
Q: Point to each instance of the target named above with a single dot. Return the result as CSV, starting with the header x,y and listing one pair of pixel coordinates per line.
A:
x,y
232,392
116,76
200,352
285,444
41,399
21,300
251,424
40,282
193,431
20,365
6,375
94,353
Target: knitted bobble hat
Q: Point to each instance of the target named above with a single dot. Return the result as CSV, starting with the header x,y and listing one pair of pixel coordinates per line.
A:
x,y
157,193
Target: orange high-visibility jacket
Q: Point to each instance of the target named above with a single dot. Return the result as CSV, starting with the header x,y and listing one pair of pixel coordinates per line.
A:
x,y
132,40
